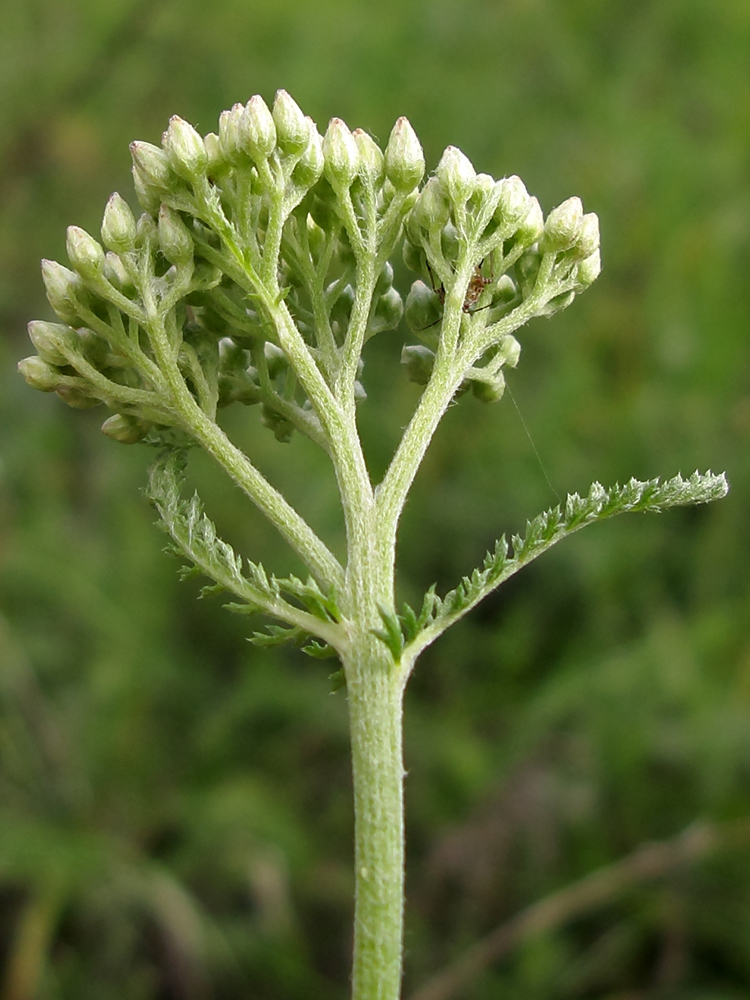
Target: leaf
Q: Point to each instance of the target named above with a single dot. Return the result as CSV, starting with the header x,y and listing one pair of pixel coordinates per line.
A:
x,y
545,530
391,634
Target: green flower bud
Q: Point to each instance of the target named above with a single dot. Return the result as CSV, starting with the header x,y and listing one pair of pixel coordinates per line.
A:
x,y
146,231
415,258
513,204
404,159
148,198
432,208
117,274
385,279
49,340
423,308
510,349
292,132
557,304
340,154
125,429
216,161
589,269
275,359
185,150
389,308
527,270
419,362
230,128
281,427
175,240
371,160
151,165
532,226
85,254
118,225
257,129
587,240
310,165
456,175
562,226
77,398
39,374
62,286
489,389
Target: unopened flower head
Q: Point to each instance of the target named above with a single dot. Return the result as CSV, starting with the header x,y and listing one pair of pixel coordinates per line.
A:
x,y
404,159
185,150
118,225
292,133
340,154
456,175
257,129
85,254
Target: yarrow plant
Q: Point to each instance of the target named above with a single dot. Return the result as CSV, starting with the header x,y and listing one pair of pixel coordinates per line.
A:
x,y
257,271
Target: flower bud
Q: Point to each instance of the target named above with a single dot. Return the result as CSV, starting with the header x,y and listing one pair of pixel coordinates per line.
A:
x,y
340,154
39,374
185,150
532,226
85,254
510,349
257,130
589,269
77,398
389,308
175,240
489,389
422,309
152,166
118,225
49,340
292,133
310,165
371,161
562,226
456,175
432,208
125,429
216,161
404,159
230,131
419,362
146,231
415,258
62,286
587,240
513,204
116,273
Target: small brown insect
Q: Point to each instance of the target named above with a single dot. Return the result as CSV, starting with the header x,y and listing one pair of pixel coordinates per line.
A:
x,y
477,285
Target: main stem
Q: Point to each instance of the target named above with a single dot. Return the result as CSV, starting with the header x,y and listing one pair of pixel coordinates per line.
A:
x,y
375,691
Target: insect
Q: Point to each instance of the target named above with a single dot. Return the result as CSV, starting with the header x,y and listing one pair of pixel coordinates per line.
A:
x,y
477,284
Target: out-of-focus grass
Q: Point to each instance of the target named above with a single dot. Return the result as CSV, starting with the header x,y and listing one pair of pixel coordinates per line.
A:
x,y
174,805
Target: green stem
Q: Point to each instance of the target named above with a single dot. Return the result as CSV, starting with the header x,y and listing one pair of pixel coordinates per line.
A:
x,y
375,690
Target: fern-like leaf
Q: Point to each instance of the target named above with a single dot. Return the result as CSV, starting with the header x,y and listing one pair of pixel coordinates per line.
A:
x,y
544,531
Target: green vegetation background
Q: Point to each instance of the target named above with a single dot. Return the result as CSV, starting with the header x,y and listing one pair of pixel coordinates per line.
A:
x,y
174,803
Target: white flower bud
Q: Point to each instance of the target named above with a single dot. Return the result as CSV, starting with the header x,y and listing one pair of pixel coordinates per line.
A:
x,y
292,133
589,269
513,204
152,166
185,150
257,129
230,131
39,374
118,225
562,226
587,240
85,254
532,226
404,159
62,286
340,154
175,240
371,160
49,340
310,165
456,175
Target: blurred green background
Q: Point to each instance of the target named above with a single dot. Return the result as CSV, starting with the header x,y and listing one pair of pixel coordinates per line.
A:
x,y
175,814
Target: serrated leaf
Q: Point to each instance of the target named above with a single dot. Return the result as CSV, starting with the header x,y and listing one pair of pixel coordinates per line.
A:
x,y
338,680
553,525
277,635
319,650
391,634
